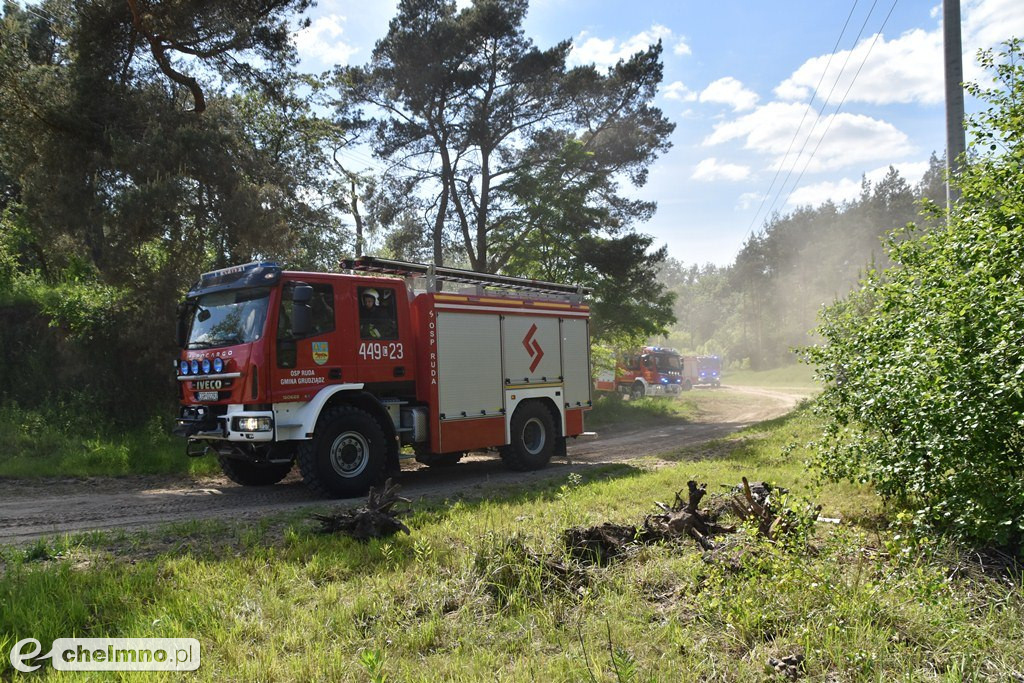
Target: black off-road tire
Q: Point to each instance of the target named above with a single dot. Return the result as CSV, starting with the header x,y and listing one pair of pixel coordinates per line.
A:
x,y
533,438
253,473
346,456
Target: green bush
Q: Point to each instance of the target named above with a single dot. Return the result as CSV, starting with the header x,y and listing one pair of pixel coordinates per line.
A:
x,y
924,364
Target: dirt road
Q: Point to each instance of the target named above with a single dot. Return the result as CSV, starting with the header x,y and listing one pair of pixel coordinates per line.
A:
x,y
33,508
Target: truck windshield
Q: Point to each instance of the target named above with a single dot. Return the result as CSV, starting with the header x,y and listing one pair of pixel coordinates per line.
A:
x,y
228,318
668,362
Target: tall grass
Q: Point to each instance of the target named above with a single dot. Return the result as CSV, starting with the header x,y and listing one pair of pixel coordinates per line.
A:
x,y
66,440
797,375
483,589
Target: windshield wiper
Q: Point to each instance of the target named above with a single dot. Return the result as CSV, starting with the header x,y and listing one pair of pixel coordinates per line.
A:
x,y
199,345
229,341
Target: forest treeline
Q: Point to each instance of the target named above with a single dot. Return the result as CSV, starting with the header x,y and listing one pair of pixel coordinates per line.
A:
x,y
144,142
757,310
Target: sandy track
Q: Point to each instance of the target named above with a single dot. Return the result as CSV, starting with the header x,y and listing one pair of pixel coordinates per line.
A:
x,y
30,509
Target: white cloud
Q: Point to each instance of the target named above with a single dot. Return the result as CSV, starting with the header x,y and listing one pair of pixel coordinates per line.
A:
x,y
605,52
321,41
851,139
817,194
987,23
749,200
712,169
678,91
846,189
729,91
907,68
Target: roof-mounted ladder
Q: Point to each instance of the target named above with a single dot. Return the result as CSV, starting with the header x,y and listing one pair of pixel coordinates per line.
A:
x,y
435,274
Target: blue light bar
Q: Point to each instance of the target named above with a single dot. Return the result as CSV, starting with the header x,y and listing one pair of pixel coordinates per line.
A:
x,y
255,274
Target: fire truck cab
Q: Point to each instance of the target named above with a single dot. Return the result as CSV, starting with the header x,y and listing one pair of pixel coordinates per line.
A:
x,y
346,373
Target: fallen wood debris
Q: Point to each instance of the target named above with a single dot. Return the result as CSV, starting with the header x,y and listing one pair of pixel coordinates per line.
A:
x,y
791,667
598,544
375,520
757,504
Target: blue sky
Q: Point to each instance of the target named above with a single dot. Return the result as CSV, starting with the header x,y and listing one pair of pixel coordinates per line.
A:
x,y
739,76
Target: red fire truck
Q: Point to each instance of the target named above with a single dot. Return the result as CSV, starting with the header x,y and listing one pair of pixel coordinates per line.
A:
x,y
341,372
651,371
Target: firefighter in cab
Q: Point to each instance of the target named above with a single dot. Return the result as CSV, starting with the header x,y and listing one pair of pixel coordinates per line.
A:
x,y
373,319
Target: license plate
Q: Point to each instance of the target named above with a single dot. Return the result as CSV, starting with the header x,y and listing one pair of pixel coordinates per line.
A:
x,y
208,396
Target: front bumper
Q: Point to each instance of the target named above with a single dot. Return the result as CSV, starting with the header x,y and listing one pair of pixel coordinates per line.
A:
x,y
200,423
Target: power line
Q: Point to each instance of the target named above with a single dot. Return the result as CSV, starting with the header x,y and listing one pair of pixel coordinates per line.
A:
x,y
804,117
842,101
821,111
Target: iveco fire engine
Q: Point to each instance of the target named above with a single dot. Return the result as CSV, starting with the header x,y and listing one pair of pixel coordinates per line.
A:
x,y
343,372
651,371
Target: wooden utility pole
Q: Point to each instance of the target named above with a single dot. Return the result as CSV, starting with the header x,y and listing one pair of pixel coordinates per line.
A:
x,y
955,139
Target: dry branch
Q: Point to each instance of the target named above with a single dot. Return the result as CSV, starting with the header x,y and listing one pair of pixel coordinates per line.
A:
x,y
375,520
599,544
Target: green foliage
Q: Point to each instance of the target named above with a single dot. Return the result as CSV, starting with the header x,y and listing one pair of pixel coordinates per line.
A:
x,y
113,197
758,309
373,663
518,157
924,365
860,604
65,438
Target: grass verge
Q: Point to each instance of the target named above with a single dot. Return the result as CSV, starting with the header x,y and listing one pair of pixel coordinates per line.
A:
x,y
67,443
795,376
612,408
464,597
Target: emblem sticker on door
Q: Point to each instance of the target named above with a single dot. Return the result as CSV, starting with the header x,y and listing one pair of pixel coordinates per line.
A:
x,y
320,353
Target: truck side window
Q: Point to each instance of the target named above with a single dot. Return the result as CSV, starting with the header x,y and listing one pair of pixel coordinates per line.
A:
x,y
322,305
378,317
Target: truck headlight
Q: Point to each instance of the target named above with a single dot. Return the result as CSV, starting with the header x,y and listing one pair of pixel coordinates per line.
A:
x,y
253,424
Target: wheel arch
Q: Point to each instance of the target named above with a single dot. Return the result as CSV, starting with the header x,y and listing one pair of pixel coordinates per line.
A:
x,y
557,418
370,404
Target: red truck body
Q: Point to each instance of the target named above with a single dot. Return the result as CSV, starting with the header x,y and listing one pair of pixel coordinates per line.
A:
x,y
650,371
343,372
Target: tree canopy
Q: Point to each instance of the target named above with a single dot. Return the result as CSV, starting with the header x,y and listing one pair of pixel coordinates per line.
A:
x,y
923,364
520,159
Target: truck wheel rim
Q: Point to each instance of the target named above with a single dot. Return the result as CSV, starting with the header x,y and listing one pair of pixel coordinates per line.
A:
x,y
533,436
350,454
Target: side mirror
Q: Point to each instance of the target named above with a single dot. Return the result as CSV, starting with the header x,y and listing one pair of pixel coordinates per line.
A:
x,y
181,329
302,312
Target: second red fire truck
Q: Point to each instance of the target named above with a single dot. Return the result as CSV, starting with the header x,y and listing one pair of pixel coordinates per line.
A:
x,y
344,373
650,371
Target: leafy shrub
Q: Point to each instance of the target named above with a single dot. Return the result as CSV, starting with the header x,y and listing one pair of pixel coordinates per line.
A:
x,y
924,364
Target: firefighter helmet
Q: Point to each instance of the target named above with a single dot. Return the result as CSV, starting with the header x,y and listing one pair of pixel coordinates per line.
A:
x,y
370,291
